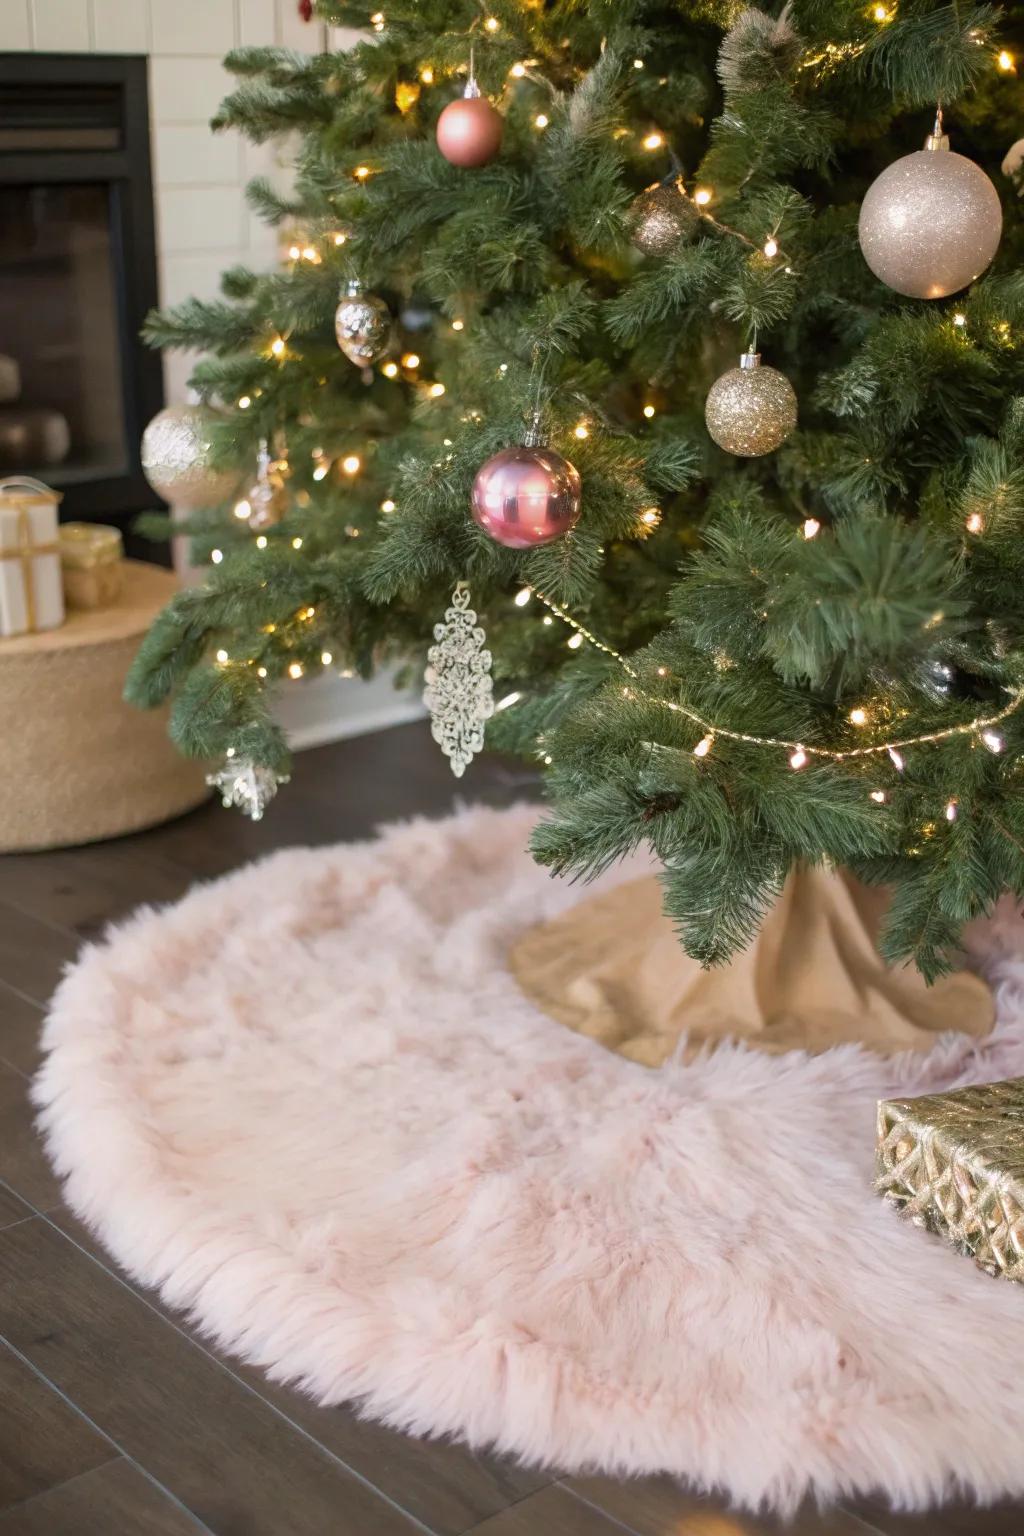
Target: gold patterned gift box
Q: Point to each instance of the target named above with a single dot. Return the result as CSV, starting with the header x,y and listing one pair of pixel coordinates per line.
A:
x,y
954,1163
31,593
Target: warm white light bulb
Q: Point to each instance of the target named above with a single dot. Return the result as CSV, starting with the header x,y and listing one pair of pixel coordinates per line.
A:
x,y
222,657
975,523
295,669
653,141
437,390
649,411
522,597
541,120
326,658
771,247
216,555
878,796
351,463
242,510
703,746
244,403
951,810
387,505
993,740
574,642
798,758
858,716
896,759
811,527
702,197
508,701
261,542
581,430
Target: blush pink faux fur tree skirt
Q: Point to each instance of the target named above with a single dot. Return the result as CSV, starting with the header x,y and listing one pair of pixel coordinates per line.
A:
x,y
309,1104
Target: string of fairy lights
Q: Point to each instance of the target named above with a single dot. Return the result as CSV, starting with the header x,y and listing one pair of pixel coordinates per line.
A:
x,y
982,728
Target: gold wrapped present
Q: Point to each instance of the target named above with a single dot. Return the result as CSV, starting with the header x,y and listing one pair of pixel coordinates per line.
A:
x,y
92,562
954,1163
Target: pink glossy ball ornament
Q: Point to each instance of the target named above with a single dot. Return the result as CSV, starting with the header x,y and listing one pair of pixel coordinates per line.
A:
x,y
469,130
526,496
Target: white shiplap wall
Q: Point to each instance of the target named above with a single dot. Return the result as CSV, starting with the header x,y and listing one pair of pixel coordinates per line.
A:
x,y
203,222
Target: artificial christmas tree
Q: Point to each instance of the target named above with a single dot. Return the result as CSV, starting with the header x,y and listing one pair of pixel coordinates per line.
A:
x,y
728,655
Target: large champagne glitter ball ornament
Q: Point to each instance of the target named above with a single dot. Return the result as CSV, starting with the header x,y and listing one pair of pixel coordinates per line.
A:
x,y
661,218
526,496
469,130
175,454
751,409
362,325
930,224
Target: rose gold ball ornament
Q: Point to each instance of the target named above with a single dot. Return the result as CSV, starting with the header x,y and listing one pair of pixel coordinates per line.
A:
x,y
930,223
362,325
750,410
527,495
469,130
175,453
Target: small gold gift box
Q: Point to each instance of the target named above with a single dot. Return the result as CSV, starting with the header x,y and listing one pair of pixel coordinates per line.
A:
x,y
92,562
954,1163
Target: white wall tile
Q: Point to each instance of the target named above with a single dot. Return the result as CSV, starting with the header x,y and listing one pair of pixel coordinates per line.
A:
x,y
61,26
343,38
187,90
15,32
200,219
120,26
293,32
189,155
264,243
205,27
257,23
196,277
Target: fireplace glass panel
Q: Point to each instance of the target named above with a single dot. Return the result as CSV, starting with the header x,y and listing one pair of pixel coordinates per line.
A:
x,y
61,385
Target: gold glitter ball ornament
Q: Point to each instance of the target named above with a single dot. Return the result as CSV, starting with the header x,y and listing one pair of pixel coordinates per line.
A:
x,y
661,218
175,454
930,223
362,325
751,409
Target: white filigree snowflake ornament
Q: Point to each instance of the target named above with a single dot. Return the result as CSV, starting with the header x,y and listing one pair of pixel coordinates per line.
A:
x,y
459,692
249,786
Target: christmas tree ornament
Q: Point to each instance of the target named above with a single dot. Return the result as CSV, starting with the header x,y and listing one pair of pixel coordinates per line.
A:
x,y
176,452
249,786
526,495
469,130
661,218
751,409
459,691
930,223
268,495
362,325
1012,166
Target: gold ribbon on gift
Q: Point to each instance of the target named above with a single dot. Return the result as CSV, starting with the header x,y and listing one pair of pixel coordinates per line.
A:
x,y
32,491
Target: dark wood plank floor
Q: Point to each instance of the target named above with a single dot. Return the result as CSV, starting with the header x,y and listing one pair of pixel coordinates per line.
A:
x,y
115,1419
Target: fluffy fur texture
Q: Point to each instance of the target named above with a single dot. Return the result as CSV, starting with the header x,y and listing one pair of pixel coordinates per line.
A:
x,y
309,1104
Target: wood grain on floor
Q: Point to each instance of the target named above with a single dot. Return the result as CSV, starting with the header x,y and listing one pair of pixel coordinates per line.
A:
x,y
115,1418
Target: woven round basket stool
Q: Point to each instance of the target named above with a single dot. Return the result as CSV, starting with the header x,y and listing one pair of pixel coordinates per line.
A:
x,y
77,763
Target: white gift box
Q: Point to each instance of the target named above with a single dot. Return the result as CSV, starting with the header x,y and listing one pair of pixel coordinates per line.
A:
x,y
31,588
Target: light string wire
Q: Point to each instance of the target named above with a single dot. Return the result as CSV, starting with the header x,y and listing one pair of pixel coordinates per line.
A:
x,y
965,728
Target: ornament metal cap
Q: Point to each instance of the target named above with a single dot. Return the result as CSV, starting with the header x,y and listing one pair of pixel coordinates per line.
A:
x,y
352,288
533,437
937,139
750,360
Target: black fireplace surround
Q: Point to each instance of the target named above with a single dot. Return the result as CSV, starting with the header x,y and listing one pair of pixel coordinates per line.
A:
x,y
77,276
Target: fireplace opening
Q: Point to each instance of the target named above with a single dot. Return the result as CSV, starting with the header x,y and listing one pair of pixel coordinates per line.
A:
x,y
77,276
